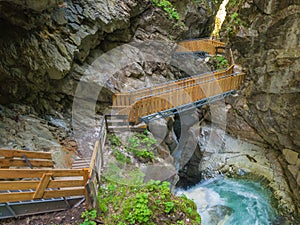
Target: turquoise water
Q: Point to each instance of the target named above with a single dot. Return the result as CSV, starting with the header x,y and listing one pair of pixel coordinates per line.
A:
x,y
232,202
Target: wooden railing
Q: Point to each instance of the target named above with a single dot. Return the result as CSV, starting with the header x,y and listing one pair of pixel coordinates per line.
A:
x,y
41,183
122,100
30,184
22,158
24,177
95,169
182,96
205,45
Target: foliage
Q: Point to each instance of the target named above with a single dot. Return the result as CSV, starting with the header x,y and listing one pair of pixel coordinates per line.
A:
x,y
89,216
167,7
234,20
140,145
151,203
120,157
114,140
219,62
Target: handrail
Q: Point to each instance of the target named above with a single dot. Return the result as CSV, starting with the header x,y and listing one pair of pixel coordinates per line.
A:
x,y
183,96
23,158
126,99
206,45
95,169
41,183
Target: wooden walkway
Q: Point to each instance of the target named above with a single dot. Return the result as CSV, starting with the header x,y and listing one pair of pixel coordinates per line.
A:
x,y
173,95
38,187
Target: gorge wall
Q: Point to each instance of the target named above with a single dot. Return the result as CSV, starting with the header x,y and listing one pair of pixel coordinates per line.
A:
x,y
45,45
264,36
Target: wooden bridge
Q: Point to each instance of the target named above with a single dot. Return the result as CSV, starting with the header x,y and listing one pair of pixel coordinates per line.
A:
x,y
173,97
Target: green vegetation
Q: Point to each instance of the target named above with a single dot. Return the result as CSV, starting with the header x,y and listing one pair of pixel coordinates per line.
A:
x,y
114,140
124,199
140,145
167,7
89,216
129,176
219,62
234,21
151,203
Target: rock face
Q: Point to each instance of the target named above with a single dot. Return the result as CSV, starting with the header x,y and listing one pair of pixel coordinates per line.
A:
x,y
269,103
21,128
45,45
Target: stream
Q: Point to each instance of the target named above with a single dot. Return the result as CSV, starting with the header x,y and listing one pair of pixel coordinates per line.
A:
x,y
225,201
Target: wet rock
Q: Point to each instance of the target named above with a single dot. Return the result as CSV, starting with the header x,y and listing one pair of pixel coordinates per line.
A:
x,y
218,214
159,129
188,144
221,153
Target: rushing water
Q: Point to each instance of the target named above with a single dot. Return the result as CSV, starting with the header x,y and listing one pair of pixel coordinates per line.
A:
x,y
232,202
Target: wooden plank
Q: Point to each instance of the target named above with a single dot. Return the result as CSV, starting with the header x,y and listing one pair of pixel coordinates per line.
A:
x,y
22,163
18,185
29,154
24,196
25,185
38,173
64,193
14,197
39,192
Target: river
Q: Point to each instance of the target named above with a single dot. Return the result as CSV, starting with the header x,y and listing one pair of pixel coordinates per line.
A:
x,y
224,201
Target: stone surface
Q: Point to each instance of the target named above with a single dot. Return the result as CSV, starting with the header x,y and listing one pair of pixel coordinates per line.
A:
x,y
269,100
290,156
46,46
21,128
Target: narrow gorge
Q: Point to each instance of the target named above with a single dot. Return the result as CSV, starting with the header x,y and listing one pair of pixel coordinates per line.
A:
x,y
62,61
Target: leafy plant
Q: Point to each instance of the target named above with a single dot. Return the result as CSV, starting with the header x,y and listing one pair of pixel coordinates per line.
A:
x,y
120,157
167,7
139,210
169,206
89,216
148,204
219,62
139,145
234,22
114,140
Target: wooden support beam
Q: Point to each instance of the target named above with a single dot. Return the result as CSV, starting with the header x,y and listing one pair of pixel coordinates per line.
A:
x,y
39,192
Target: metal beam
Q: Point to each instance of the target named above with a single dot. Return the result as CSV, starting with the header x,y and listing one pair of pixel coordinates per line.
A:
x,y
24,208
184,108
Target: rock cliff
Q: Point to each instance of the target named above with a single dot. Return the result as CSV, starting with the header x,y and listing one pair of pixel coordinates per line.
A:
x,y
44,44
264,36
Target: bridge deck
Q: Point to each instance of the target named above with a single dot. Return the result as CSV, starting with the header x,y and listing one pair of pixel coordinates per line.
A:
x,y
143,104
